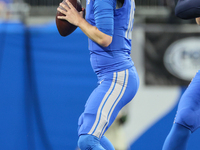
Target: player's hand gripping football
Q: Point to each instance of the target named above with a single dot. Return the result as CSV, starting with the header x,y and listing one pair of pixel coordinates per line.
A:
x,y
71,14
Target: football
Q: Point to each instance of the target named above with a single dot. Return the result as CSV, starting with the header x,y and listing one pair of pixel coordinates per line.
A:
x,y
64,27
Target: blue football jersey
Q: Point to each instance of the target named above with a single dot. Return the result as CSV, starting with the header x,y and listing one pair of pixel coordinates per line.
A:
x,y
116,56
118,80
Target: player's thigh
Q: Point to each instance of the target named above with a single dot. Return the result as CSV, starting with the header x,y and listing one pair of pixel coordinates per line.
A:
x,y
92,106
107,99
189,106
191,97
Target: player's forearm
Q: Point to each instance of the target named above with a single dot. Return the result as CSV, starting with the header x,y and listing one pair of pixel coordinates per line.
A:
x,y
94,34
188,9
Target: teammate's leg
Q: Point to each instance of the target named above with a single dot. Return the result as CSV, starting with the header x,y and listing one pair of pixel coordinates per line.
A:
x,y
187,118
177,138
186,122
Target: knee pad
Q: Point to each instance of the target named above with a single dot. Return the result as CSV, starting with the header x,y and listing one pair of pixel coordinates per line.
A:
x,y
188,118
88,142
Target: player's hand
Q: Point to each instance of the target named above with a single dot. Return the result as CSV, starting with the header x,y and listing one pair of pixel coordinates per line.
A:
x,y
71,14
198,20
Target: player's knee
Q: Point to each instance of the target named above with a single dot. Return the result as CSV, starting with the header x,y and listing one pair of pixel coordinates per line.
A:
x,y
187,117
86,142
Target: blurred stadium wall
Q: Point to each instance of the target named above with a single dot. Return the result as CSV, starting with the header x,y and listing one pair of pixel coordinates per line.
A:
x,y
45,79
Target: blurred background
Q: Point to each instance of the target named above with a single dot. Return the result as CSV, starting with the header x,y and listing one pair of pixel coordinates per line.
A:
x,y
45,79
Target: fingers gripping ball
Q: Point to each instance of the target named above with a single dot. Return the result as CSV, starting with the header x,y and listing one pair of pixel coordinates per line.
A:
x,y
64,27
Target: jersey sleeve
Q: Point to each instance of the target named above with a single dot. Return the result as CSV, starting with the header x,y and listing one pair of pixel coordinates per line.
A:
x,y
104,15
187,9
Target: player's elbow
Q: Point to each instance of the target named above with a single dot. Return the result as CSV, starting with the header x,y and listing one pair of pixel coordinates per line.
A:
x,y
181,15
186,12
106,41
